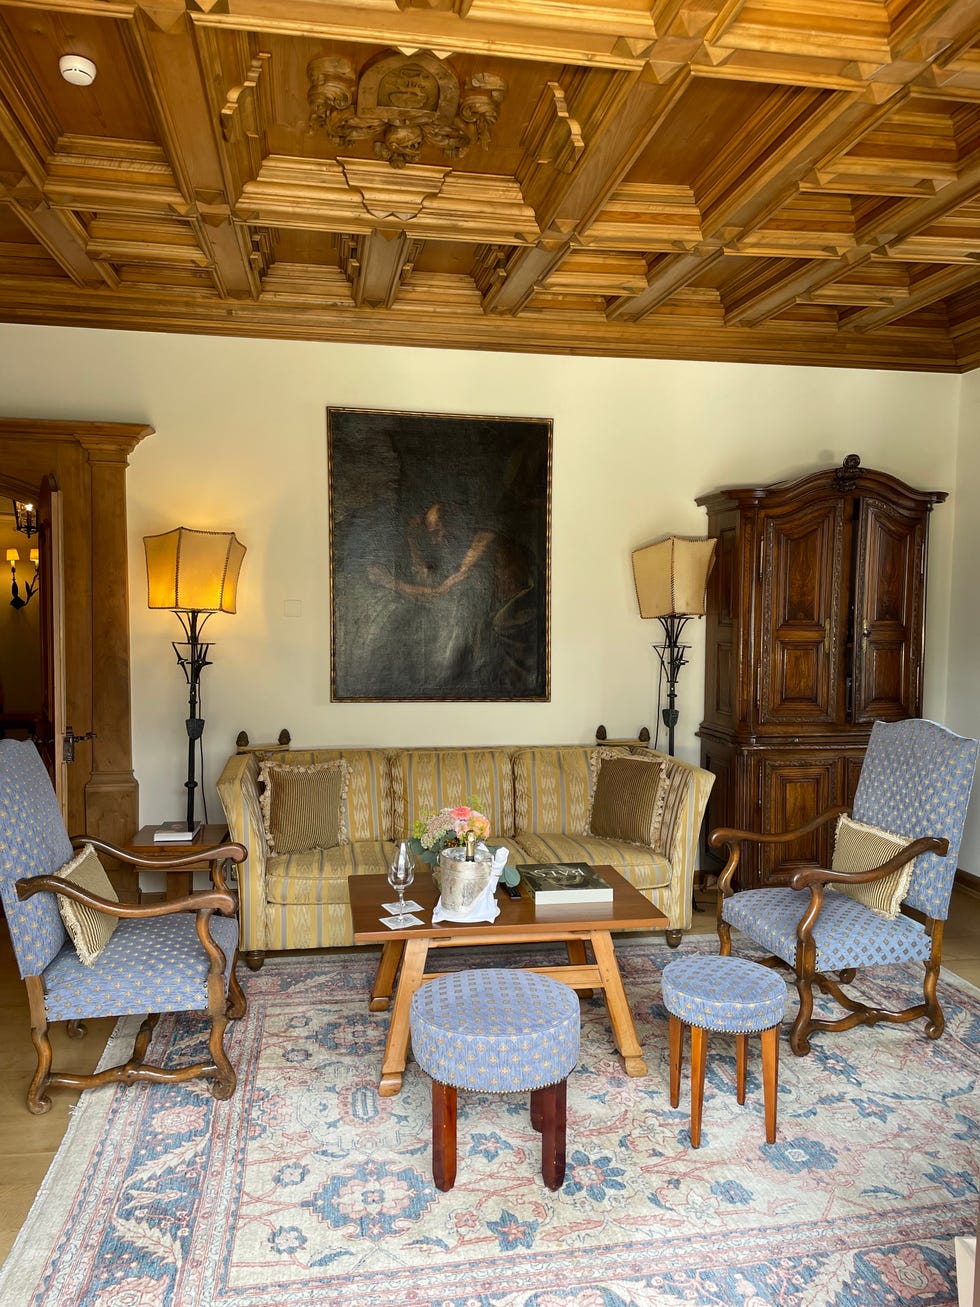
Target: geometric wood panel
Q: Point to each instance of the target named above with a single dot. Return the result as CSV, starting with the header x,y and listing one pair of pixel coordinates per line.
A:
x,y
783,182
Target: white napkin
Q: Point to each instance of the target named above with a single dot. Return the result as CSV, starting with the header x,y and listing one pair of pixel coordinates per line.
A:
x,y
484,908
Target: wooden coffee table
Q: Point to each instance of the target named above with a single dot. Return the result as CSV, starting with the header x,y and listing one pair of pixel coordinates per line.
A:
x,y
404,954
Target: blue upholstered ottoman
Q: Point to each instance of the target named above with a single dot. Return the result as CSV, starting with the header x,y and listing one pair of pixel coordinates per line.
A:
x,y
505,1032
731,995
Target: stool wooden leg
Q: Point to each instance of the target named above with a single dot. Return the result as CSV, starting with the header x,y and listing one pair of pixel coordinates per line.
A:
x,y
676,1042
741,1062
548,1107
770,1078
699,1049
443,1135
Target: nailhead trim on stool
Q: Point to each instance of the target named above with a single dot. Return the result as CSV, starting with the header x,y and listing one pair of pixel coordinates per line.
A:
x,y
503,1031
731,996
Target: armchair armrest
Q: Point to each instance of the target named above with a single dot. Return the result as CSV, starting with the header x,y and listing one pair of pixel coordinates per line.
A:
x,y
208,901
731,838
230,852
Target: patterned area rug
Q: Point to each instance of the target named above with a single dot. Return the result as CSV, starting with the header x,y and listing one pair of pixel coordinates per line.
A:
x,y
307,1188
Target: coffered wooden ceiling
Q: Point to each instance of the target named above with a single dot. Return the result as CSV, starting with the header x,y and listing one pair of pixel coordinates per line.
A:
x,y
789,181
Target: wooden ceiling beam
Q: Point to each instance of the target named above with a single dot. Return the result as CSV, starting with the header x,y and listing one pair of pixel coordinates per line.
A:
x,y
928,289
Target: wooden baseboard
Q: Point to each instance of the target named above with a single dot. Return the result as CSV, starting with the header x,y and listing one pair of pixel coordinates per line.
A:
x,y
965,880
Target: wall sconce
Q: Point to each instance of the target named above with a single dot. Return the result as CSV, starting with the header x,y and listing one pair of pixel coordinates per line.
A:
x,y
194,574
670,577
30,589
25,518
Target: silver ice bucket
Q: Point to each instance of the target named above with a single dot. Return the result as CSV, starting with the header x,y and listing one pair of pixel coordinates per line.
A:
x,y
460,882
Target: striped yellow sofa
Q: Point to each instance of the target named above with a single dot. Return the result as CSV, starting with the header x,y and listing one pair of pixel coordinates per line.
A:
x,y
536,797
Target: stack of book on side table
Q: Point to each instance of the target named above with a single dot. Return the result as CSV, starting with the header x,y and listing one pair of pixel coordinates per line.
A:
x,y
176,832
564,882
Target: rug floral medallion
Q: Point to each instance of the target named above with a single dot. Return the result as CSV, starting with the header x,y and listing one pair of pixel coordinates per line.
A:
x,y
309,1188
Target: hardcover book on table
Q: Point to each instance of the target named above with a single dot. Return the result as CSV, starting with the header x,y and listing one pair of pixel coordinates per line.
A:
x,y
176,832
565,882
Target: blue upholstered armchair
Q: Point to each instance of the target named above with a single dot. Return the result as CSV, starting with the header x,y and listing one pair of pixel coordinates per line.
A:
x,y
83,955
885,897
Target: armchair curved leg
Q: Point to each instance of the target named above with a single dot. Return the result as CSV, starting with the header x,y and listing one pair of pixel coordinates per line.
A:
x,y
37,1100
77,1029
237,1003
224,1080
799,1040
724,939
935,1021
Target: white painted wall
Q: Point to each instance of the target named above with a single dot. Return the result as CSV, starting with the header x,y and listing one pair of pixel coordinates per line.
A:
x,y
963,688
240,444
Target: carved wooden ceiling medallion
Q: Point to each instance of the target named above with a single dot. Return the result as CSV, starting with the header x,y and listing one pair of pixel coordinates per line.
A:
x,y
407,100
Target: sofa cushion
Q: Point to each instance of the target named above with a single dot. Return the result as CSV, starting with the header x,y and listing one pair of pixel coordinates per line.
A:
x,y
552,790
367,808
627,797
303,805
425,780
860,847
320,875
641,866
89,930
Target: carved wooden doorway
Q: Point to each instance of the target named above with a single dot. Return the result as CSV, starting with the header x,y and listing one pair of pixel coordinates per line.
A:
x,y
88,461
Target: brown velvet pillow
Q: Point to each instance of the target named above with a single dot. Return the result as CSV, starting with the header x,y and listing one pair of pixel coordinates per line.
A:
x,y
628,800
303,807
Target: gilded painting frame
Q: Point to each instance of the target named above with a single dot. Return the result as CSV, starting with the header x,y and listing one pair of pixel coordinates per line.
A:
x,y
440,557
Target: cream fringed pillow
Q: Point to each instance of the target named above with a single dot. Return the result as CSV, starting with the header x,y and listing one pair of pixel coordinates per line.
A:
x,y
303,807
89,930
859,847
627,797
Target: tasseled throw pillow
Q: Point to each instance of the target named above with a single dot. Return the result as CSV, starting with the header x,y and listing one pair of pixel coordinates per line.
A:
x,y
89,930
628,798
859,847
303,807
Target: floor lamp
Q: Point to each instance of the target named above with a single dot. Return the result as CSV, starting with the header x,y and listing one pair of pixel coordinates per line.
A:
x,y
194,574
670,576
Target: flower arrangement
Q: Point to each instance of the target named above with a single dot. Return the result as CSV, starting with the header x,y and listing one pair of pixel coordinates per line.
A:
x,y
446,829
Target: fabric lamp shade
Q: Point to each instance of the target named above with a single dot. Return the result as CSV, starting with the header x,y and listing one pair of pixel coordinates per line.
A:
x,y
13,556
671,576
193,571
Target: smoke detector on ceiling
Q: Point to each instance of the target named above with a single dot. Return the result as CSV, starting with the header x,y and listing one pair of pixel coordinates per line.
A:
x,y
78,70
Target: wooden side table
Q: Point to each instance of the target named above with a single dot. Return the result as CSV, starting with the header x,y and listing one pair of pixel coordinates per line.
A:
x,y
179,882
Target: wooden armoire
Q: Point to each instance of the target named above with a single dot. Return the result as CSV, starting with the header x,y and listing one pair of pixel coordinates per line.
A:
x,y
814,630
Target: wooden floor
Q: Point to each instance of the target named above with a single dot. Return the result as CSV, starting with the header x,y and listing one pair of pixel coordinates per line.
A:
x,y
28,1143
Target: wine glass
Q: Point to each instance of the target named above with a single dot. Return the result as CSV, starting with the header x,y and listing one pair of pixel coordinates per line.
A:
x,y
401,873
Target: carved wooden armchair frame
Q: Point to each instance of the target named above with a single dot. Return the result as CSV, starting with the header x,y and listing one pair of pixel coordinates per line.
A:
x,y
815,880
225,999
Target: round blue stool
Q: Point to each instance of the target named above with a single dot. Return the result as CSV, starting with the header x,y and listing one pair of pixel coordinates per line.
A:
x,y
503,1031
730,995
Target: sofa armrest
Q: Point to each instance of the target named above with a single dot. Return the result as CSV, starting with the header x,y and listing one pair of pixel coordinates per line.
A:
x,y
238,790
688,788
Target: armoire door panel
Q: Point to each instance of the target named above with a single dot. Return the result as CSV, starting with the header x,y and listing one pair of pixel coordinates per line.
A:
x,y
793,792
888,613
800,614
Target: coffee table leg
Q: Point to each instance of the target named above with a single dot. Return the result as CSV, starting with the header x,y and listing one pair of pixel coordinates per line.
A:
x,y
577,956
624,1031
396,1049
384,981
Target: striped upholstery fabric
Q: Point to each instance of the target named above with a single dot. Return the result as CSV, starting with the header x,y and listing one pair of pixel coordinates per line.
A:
x,y
552,790
89,930
628,797
368,811
303,806
425,780
859,847
300,901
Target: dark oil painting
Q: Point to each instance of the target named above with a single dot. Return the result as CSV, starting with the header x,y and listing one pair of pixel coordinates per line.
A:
x,y
439,556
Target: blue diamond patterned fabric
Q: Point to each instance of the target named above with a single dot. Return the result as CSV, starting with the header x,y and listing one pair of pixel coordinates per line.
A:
x,y
33,842
916,779
728,994
847,933
152,964
498,1030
